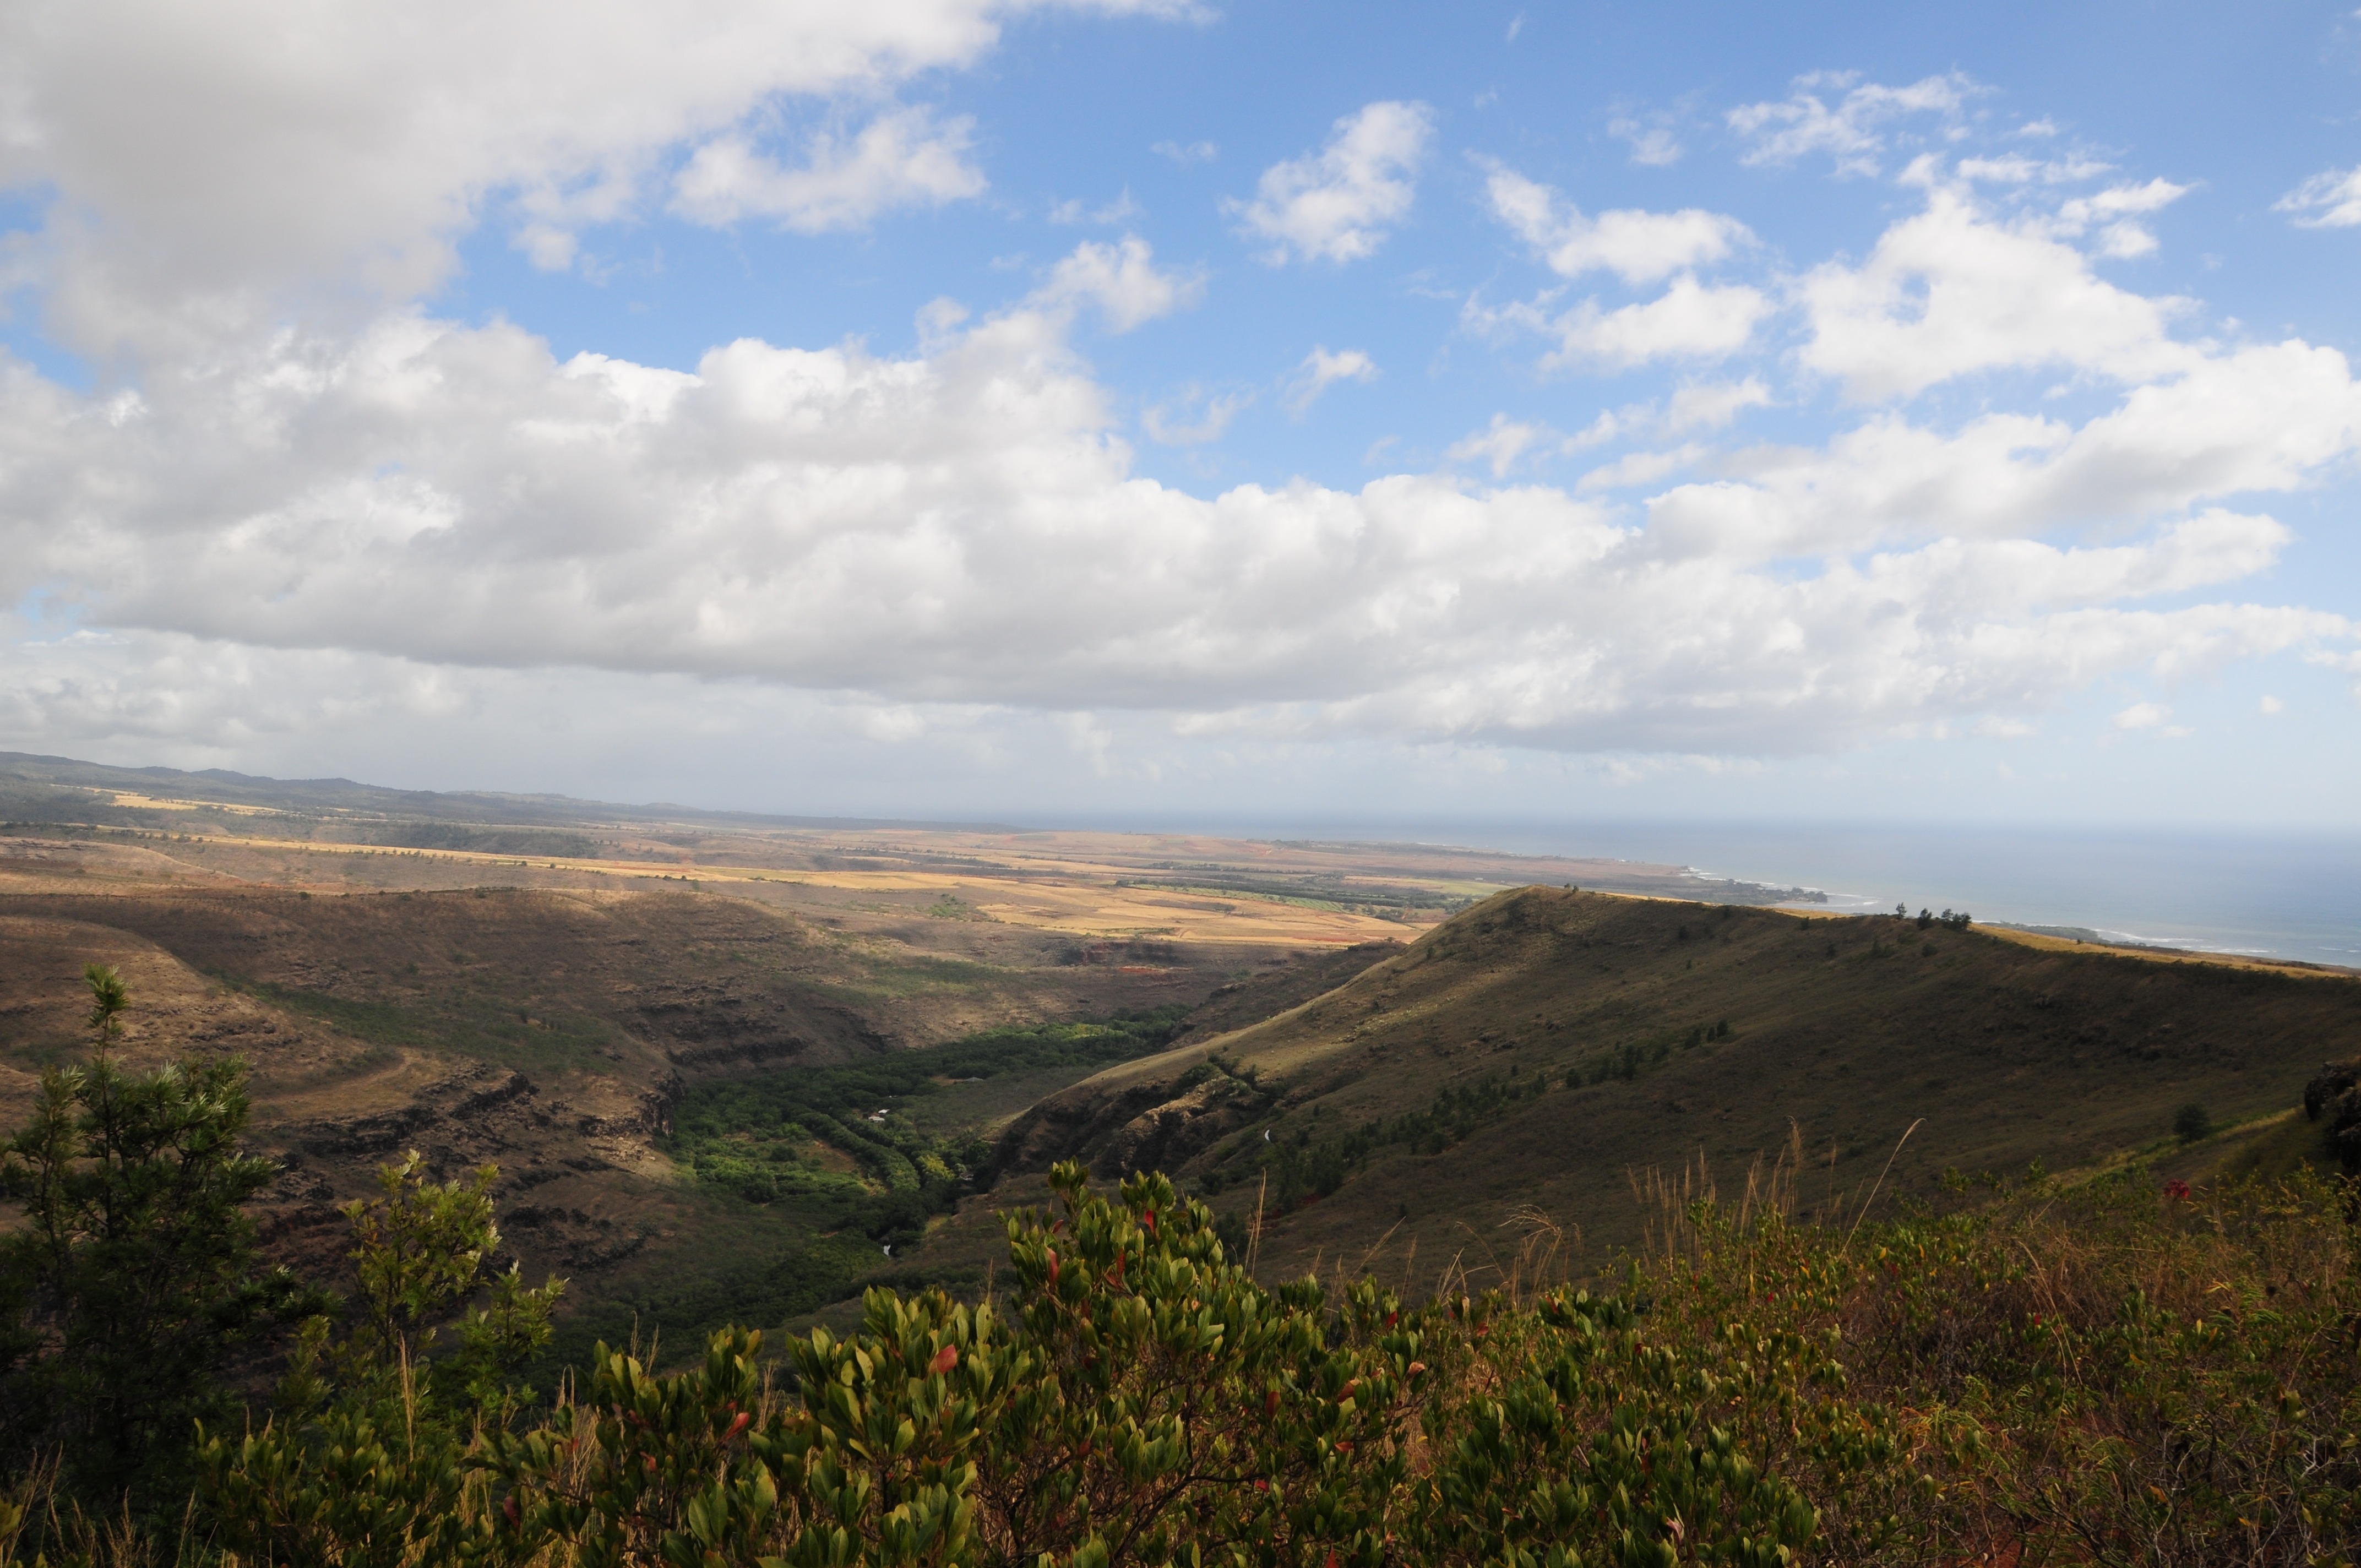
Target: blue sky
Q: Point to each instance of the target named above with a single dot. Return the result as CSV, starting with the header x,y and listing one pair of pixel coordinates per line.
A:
x,y
1138,411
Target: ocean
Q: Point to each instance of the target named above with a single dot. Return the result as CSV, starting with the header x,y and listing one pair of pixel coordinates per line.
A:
x,y
2282,895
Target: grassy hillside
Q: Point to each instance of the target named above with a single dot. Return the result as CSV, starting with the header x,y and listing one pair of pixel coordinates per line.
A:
x,y
1277,989
1540,1053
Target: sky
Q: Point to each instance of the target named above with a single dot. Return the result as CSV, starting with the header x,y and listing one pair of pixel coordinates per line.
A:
x,y
1133,409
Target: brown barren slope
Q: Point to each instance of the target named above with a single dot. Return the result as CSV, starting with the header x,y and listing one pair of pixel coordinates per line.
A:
x,y
548,1031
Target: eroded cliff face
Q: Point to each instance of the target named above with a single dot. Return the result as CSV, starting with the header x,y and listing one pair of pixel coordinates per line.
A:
x,y
1159,1122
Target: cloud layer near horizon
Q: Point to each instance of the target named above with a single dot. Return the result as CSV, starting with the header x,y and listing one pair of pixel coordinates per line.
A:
x,y
964,524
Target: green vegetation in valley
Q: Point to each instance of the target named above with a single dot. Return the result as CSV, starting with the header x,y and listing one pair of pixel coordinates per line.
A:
x,y
1380,902
952,907
842,1195
761,1137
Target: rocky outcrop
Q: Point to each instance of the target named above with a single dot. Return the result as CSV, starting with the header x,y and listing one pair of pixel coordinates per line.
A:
x,y
1167,1137
650,1116
574,1238
717,1024
1148,1123
378,1131
471,1115
1074,1124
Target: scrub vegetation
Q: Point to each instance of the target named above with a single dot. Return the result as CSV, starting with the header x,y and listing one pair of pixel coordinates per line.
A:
x,y
2112,1372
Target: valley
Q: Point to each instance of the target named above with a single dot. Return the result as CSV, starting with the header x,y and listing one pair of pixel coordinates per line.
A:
x,y
737,1068
545,984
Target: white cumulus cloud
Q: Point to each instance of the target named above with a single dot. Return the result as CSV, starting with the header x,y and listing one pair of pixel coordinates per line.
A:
x,y
1337,204
1953,291
201,166
1688,321
1637,246
290,515
1850,131
900,160
2330,200
838,521
1121,281
1321,370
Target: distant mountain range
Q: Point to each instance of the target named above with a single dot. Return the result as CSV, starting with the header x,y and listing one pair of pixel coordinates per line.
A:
x,y
33,786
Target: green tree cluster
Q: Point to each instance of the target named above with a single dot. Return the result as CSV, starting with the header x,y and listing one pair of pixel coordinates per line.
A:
x,y
755,1138
131,1275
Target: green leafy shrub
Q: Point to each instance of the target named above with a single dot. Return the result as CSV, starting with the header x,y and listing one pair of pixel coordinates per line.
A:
x,y
1143,1402
368,1457
2100,1374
